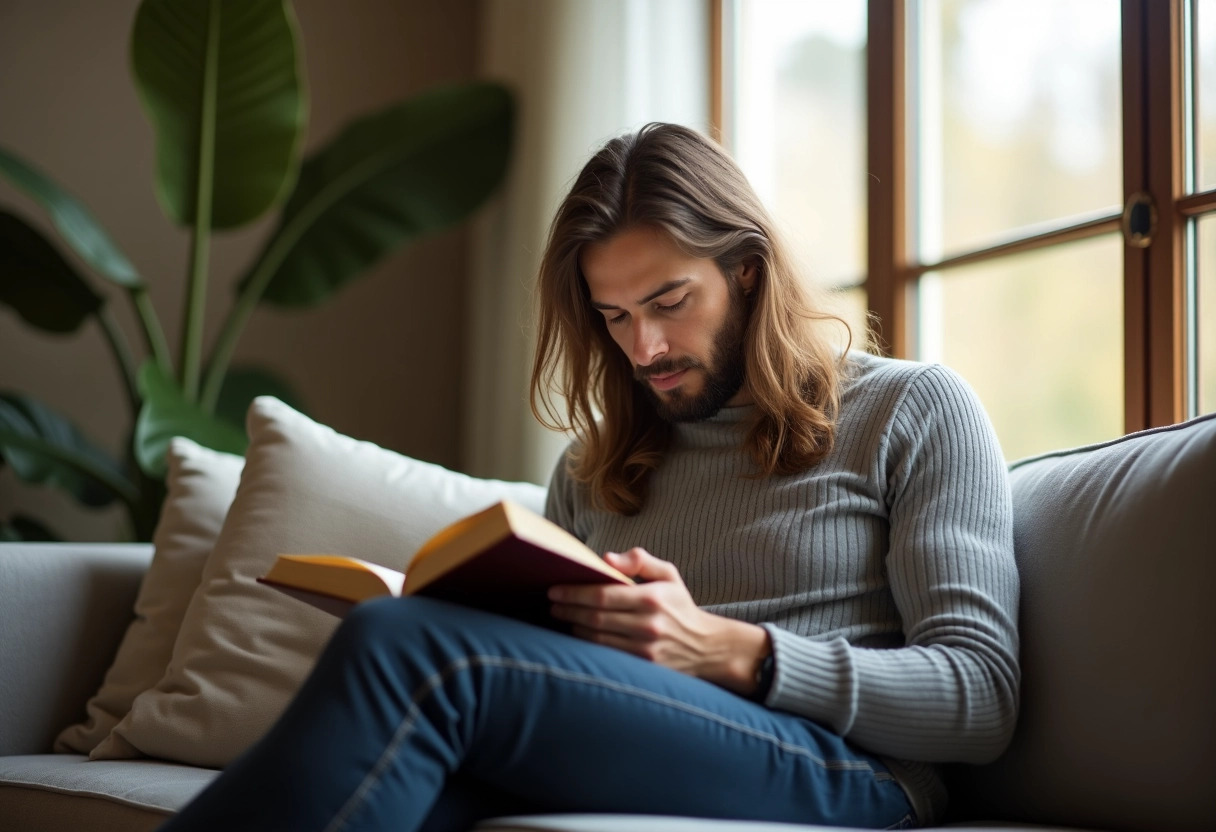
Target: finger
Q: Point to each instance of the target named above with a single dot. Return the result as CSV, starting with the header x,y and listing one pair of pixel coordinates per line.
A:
x,y
622,563
640,649
646,566
604,596
629,625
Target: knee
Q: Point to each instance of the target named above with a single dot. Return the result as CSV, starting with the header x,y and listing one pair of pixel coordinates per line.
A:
x,y
370,621
400,620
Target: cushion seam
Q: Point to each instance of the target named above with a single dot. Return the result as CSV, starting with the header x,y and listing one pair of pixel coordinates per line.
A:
x,y
1110,442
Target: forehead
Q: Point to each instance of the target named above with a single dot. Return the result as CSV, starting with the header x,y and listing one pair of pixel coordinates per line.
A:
x,y
635,260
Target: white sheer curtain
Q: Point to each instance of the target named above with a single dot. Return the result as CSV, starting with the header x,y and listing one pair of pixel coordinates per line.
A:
x,y
583,71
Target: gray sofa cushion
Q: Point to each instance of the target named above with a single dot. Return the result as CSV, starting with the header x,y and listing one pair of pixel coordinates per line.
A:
x,y
1116,547
52,792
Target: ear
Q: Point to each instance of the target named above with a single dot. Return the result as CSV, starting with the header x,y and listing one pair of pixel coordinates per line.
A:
x,y
746,275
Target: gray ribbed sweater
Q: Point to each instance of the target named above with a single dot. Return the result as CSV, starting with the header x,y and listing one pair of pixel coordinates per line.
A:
x,y
884,575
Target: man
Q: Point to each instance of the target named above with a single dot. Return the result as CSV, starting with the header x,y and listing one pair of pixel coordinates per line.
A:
x,y
828,596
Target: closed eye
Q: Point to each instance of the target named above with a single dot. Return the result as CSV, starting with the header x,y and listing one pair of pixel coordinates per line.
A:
x,y
618,320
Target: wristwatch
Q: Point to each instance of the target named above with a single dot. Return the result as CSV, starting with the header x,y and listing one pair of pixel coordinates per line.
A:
x,y
764,677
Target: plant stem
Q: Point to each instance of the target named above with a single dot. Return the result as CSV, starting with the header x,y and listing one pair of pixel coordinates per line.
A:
x,y
264,271
221,355
122,488
122,353
196,304
158,347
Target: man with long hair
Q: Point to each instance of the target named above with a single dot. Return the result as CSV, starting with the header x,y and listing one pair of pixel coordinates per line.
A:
x,y
827,595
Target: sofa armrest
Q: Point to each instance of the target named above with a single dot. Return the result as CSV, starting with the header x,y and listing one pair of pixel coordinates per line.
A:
x,y
63,610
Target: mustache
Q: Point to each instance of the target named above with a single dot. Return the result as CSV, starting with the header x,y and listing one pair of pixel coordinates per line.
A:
x,y
665,367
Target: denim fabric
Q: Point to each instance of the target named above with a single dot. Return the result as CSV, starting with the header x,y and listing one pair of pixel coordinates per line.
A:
x,y
427,715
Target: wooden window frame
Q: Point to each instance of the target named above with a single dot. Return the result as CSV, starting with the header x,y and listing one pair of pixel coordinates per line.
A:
x,y
1155,368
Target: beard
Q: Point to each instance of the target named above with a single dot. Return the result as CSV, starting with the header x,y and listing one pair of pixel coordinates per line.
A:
x,y
723,375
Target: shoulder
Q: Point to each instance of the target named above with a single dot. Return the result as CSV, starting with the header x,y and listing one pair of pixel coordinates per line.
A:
x,y
909,398
560,476
566,497
878,379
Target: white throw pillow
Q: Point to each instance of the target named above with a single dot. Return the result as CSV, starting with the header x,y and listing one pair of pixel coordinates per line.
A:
x,y
244,648
201,484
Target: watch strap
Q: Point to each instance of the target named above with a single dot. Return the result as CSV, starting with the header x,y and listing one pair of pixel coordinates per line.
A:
x,y
764,677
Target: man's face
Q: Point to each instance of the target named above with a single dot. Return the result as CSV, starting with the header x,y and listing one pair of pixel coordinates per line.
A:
x,y
676,317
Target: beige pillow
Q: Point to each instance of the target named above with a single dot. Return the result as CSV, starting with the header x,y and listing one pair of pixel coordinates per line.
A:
x,y
201,484
244,648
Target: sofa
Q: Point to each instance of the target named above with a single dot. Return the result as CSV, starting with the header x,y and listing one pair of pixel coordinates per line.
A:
x,y
1116,548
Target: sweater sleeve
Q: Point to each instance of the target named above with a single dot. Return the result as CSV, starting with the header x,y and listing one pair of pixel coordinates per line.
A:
x,y
951,692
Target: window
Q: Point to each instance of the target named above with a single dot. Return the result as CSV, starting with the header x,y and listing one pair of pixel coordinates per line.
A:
x,y
1038,189
799,131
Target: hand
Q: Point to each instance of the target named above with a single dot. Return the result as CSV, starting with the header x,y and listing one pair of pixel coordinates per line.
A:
x,y
658,620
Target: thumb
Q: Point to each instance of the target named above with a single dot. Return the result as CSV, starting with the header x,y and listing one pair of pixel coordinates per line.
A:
x,y
640,564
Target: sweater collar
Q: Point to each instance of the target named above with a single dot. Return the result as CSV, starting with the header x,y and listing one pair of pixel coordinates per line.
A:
x,y
725,429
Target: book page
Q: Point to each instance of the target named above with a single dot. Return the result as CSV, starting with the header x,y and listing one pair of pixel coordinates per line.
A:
x,y
391,578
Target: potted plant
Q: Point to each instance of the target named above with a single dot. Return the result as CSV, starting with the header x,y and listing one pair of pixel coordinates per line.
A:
x,y
221,84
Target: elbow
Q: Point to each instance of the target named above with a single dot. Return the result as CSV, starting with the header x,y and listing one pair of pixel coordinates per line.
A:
x,y
993,729
990,747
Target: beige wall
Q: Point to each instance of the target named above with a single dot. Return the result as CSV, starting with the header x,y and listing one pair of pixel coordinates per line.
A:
x,y
381,361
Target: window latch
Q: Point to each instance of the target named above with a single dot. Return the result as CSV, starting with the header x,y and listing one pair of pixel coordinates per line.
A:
x,y
1139,220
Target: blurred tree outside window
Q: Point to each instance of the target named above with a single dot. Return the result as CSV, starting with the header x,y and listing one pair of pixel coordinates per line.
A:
x,y
1016,125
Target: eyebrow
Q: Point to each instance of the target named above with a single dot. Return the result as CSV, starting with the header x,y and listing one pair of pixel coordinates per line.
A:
x,y
659,292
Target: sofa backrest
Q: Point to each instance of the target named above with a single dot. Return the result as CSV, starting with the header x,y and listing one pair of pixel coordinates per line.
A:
x,y
1116,547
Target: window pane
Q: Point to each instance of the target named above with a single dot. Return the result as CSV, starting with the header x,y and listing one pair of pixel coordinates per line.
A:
x,y
1040,337
1015,109
1204,23
1206,308
799,125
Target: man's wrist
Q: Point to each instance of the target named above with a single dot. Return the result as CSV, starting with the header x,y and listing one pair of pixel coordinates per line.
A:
x,y
745,646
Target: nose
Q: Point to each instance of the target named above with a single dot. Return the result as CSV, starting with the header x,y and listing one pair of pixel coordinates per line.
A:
x,y
649,343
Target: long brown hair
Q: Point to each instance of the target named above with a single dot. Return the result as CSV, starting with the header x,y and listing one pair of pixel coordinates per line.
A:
x,y
674,179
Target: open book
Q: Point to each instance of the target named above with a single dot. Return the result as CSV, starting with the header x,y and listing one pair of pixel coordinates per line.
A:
x,y
502,559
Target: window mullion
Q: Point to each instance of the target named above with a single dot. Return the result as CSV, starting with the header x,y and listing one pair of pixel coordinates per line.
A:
x,y
887,284
1154,297
1166,263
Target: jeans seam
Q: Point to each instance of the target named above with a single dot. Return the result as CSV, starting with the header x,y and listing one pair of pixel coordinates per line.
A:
x,y
372,778
834,765
428,686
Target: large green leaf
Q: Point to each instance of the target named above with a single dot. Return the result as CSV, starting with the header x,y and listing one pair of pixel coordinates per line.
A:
x,y
221,83
414,168
244,384
77,225
167,413
38,283
45,448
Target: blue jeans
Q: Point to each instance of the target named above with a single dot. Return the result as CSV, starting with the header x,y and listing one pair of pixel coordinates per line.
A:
x,y
426,715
